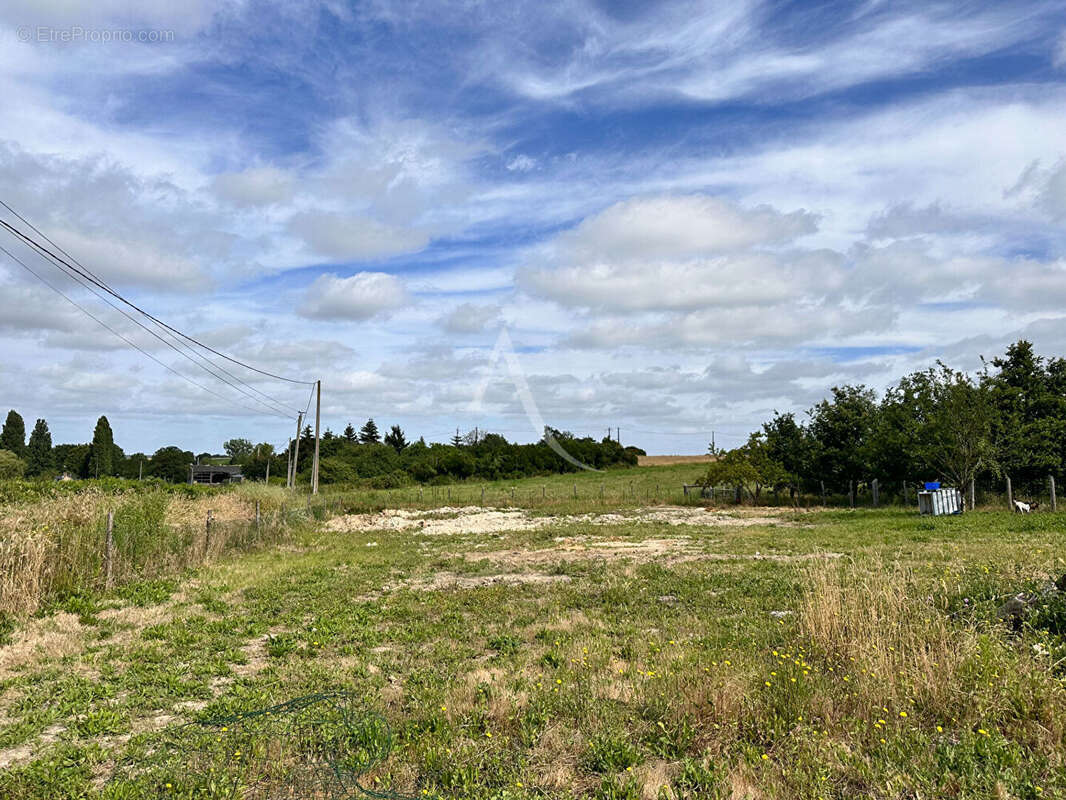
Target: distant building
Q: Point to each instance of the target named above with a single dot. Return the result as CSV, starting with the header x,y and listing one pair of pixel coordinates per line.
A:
x,y
212,474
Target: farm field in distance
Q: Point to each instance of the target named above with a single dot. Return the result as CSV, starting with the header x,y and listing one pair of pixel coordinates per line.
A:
x,y
616,644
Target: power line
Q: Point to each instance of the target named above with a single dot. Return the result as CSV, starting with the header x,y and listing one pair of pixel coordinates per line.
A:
x,y
273,405
103,285
88,280
103,324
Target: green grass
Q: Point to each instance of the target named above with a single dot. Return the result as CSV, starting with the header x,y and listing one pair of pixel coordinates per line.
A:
x,y
621,678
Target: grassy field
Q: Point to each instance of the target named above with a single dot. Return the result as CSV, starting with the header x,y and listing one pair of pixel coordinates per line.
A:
x,y
578,648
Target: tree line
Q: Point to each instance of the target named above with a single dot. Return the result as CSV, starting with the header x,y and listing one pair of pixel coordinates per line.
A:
x,y
934,424
363,456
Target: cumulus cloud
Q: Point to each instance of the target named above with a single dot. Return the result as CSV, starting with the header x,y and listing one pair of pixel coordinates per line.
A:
x,y
359,297
678,253
255,186
470,318
345,237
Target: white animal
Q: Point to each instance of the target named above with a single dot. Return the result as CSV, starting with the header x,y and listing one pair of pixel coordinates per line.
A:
x,y
1022,508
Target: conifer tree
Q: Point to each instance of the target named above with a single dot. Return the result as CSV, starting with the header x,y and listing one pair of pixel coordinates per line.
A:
x,y
102,450
13,434
39,451
368,434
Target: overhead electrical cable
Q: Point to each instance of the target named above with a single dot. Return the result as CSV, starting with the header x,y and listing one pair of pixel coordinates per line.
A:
x,y
103,285
131,343
209,367
88,280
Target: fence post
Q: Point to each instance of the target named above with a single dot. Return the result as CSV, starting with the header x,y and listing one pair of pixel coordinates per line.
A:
x,y
851,493
876,493
512,495
904,494
420,490
207,534
482,495
109,551
1054,500
1010,495
257,515
973,494
823,492
543,492
575,491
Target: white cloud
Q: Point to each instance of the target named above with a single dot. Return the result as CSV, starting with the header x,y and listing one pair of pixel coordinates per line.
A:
x,y
359,297
677,253
255,186
344,237
521,163
470,318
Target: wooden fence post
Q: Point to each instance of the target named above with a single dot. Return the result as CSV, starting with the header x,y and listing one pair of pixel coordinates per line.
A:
x,y
1010,495
823,491
904,494
512,495
575,491
876,493
482,495
109,551
543,492
1054,500
207,534
851,493
257,515
973,494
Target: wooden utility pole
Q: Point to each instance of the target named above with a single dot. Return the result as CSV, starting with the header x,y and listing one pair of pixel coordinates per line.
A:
x,y
296,449
318,416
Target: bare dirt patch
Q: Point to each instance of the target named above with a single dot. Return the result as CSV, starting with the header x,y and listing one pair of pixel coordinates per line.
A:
x,y
442,581
48,638
666,551
475,519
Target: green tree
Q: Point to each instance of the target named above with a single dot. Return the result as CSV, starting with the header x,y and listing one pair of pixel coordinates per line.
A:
x,y
395,439
841,432
39,450
368,434
11,466
349,433
749,467
237,450
102,450
171,464
956,432
788,444
13,434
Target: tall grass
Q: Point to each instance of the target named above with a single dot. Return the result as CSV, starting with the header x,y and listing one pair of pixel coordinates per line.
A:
x,y
54,547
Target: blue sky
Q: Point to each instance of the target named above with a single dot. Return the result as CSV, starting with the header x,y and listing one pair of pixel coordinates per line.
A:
x,y
685,215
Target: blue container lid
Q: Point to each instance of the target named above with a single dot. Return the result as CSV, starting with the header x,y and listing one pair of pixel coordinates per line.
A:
x,y
932,486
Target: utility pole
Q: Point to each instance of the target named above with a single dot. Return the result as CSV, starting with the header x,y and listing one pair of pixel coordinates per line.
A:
x,y
318,415
296,448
